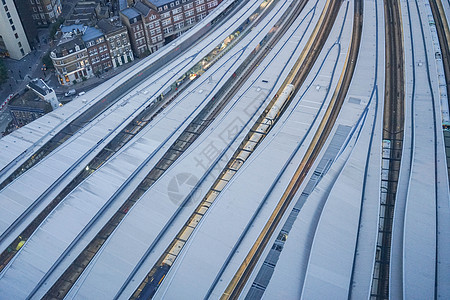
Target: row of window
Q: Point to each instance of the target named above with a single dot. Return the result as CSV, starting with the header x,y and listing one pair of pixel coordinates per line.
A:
x,y
187,6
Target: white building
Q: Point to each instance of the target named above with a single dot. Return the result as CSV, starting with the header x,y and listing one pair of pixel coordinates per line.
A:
x,y
13,41
44,92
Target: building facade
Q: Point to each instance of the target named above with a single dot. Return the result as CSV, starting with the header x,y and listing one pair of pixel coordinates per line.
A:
x,y
98,51
180,15
71,61
119,45
151,21
161,21
132,19
13,39
45,12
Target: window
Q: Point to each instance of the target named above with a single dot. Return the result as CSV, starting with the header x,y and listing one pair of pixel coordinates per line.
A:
x,y
189,13
16,35
189,5
158,30
172,5
212,4
166,22
159,37
10,21
6,8
8,15
34,9
159,8
201,8
177,17
154,40
190,21
201,16
165,15
152,32
168,30
198,2
176,10
179,25
177,2
13,27
165,7
152,17
19,44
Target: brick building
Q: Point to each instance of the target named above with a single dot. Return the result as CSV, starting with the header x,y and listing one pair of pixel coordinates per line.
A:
x,y
71,61
133,21
97,48
161,21
119,45
45,11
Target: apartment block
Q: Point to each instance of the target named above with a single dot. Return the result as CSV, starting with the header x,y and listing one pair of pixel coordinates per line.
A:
x,y
132,19
97,48
116,36
45,12
71,61
13,39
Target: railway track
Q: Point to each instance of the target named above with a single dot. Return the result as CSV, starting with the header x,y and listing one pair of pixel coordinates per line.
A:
x,y
240,278
155,276
133,128
108,100
444,39
189,135
257,133
252,140
393,123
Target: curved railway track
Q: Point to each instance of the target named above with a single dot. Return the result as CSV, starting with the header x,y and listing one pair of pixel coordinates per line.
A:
x,y
256,134
109,100
189,135
240,278
120,140
393,123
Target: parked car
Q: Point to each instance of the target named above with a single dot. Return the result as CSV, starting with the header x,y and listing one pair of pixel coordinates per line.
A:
x,y
70,93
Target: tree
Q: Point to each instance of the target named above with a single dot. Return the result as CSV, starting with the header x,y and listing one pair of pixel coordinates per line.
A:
x,y
47,61
3,72
55,27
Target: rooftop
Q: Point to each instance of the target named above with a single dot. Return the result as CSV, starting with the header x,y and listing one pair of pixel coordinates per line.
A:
x,y
110,25
68,45
40,86
160,2
142,8
91,33
130,13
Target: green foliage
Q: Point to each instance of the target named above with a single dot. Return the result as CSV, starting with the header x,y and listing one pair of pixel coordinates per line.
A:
x,y
3,72
47,61
55,27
